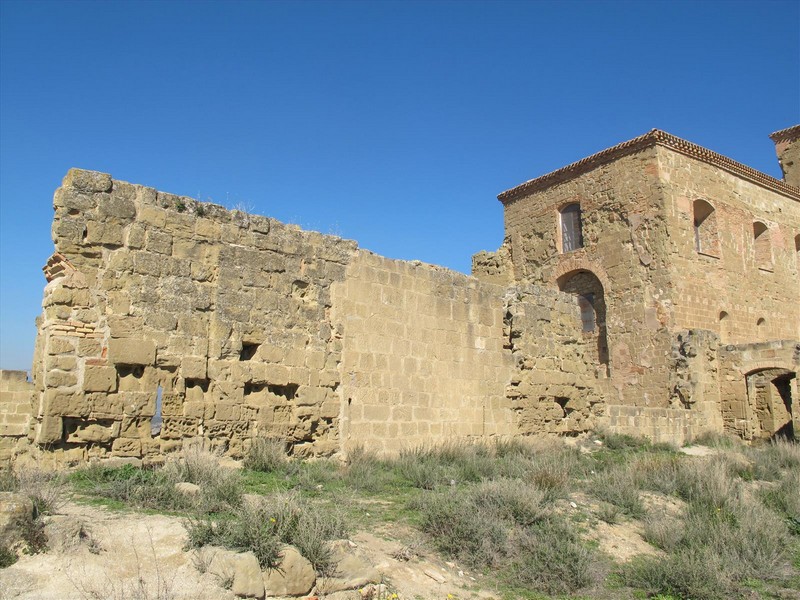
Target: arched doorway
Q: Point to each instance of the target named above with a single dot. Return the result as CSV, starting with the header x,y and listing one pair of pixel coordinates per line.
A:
x,y
769,393
591,299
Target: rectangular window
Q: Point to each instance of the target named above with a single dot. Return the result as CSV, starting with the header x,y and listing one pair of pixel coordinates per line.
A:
x,y
571,238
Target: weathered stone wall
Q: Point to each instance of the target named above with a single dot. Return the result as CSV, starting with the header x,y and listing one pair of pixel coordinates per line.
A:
x,y
725,289
555,388
16,408
787,147
217,320
166,320
740,408
624,235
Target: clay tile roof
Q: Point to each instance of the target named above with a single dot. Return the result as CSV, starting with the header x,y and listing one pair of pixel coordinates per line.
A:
x,y
790,133
652,138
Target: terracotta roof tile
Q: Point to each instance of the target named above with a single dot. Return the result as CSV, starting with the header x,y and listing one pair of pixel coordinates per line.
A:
x,y
652,138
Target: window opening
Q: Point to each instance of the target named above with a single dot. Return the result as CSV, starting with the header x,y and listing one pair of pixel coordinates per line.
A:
x,y
761,246
588,314
705,228
157,420
571,231
724,326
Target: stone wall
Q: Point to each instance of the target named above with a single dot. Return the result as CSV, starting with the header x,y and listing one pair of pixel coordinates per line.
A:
x,y
740,402
556,387
725,289
424,357
624,235
167,321
16,408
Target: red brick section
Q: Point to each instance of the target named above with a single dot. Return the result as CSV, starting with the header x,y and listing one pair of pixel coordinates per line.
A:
x,y
57,266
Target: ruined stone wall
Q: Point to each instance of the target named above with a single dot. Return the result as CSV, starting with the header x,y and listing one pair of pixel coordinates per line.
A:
x,y
740,408
555,388
787,147
167,320
16,408
624,235
728,287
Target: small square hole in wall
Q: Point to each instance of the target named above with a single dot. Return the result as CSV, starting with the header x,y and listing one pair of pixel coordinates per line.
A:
x,y
249,350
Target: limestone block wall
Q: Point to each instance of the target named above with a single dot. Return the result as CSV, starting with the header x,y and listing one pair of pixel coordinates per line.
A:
x,y
168,320
16,408
624,236
424,355
555,388
729,288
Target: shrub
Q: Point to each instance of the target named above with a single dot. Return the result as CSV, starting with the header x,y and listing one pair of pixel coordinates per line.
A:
x,y
461,529
264,526
47,490
7,557
662,531
784,497
550,559
709,483
267,455
510,500
771,460
619,487
364,471
686,574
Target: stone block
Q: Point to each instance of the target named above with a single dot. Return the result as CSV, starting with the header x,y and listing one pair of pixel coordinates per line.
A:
x,y
49,430
131,351
87,181
295,576
99,379
126,447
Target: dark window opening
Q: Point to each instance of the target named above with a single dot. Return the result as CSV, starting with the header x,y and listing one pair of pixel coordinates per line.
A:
x,y
571,231
249,350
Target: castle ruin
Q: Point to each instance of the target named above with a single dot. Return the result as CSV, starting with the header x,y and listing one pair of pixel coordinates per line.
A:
x,y
650,289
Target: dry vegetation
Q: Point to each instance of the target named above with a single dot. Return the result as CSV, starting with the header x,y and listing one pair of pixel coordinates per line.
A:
x,y
518,515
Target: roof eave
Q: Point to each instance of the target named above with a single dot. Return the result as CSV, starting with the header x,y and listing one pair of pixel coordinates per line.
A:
x,y
651,138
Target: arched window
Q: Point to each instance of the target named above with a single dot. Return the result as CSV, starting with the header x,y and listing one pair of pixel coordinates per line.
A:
x,y
761,328
571,234
706,240
762,248
724,327
588,290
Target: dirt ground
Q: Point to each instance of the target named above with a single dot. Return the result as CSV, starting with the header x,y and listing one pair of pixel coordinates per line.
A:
x,y
98,554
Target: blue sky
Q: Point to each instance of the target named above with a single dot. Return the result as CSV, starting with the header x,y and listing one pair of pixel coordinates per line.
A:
x,y
392,123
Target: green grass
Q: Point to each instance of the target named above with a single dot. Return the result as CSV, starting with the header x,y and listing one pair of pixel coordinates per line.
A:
x,y
501,509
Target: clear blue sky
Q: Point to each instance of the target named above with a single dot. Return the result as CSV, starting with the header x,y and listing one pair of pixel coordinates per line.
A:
x,y
392,123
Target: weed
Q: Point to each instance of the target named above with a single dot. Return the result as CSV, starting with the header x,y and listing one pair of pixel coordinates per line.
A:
x,y
609,513
7,557
267,455
550,559
620,488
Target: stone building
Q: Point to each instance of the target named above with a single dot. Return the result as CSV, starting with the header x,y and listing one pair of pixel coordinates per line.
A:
x,y
651,289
